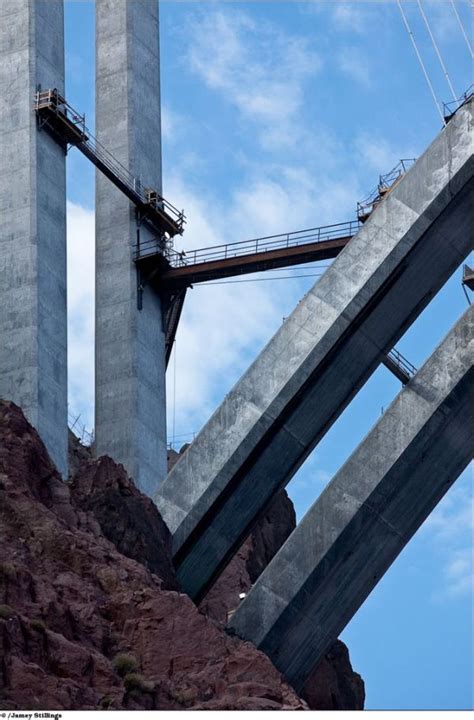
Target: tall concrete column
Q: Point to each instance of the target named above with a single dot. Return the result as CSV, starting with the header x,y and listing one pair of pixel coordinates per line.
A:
x,y
130,422
33,324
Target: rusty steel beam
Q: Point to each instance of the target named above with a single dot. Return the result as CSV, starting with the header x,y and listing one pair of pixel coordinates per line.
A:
x,y
173,308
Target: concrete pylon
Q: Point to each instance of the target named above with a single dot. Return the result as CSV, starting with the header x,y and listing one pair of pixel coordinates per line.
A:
x,y
130,422
367,513
33,306
320,357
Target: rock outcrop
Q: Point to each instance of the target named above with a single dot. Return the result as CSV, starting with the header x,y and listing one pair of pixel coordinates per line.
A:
x,y
127,518
333,685
83,626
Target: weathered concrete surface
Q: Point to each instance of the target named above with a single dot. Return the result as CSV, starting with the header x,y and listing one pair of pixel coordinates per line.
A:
x,y
367,514
33,324
320,357
130,423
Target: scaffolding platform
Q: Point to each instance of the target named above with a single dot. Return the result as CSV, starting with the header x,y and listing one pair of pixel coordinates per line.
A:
x,y
385,185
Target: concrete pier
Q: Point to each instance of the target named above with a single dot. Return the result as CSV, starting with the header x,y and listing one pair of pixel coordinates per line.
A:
x,y
33,323
367,513
130,423
320,357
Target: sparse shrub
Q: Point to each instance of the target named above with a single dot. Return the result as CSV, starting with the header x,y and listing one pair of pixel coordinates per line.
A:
x,y
6,612
38,625
124,664
186,697
106,702
134,682
8,570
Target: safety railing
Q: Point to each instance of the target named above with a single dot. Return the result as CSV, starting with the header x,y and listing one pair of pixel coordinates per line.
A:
x,y
52,102
386,183
450,108
400,361
85,436
265,244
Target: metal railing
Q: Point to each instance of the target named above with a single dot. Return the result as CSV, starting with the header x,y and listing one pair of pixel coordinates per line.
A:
x,y
84,436
244,248
52,101
450,108
400,361
386,183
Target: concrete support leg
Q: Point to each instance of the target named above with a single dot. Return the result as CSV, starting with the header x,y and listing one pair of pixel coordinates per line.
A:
x,y
33,306
130,422
320,357
367,514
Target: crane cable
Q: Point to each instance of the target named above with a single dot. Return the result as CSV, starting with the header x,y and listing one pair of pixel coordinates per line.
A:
x,y
443,66
420,60
469,46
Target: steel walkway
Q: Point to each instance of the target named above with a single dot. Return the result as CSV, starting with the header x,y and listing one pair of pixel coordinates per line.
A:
x,y
69,128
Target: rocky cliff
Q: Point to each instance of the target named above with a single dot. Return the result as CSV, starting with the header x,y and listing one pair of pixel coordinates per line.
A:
x,y
90,613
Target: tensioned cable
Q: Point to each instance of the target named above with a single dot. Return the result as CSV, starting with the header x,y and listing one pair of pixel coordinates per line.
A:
x,y
297,268
420,60
469,46
267,279
441,62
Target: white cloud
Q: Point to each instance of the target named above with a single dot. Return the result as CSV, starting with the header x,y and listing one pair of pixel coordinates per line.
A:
x,y
450,529
376,153
355,64
459,573
173,125
350,17
258,68
444,22
81,288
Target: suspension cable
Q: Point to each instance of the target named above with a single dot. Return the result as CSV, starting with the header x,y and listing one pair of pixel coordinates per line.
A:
x,y
441,62
469,46
420,60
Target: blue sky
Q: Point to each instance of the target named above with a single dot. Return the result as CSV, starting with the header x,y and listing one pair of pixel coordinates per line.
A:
x,y
279,116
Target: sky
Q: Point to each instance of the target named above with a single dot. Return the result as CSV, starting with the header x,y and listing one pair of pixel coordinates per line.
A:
x,y
280,116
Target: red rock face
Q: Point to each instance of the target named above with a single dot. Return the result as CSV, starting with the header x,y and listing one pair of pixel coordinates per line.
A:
x,y
70,602
333,685
127,518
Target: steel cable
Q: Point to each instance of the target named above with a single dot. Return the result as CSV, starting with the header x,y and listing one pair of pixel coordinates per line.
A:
x,y
438,53
420,60
469,46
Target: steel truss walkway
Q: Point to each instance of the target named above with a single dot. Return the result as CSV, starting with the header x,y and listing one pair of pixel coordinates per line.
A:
x,y
69,128
248,256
